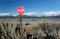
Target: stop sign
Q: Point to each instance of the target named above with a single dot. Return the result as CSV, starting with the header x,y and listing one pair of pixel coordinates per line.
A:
x,y
20,10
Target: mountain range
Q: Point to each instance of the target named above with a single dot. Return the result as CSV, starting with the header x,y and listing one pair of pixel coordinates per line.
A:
x,y
32,14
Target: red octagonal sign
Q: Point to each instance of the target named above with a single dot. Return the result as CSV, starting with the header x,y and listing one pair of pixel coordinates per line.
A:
x,y
20,10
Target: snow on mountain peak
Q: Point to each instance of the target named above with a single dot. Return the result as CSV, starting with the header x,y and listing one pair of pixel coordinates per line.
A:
x,y
51,13
31,14
5,14
46,14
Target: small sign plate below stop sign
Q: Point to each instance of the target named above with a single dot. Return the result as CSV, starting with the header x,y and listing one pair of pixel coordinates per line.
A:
x,y
20,10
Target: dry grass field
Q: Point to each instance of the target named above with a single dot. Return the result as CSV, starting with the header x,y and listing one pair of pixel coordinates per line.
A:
x,y
36,27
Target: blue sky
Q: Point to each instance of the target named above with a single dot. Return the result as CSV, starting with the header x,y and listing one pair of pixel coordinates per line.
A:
x,y
39,6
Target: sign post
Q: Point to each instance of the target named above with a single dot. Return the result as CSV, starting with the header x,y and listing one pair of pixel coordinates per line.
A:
x,y
20,11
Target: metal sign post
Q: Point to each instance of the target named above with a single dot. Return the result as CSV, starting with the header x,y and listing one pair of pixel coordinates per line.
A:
x,y
20,20
20,11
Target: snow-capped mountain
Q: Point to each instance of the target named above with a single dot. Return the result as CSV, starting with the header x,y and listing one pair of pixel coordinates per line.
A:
x,y
3,15
45,14
34,14
31,14
51,13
